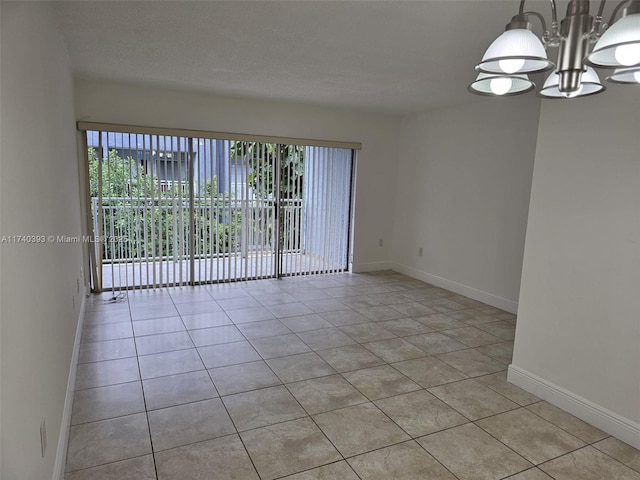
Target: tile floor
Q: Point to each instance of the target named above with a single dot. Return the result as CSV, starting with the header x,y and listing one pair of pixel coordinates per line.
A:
x,y
372,376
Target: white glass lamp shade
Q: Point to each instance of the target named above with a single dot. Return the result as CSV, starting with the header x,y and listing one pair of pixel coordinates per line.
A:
x,y
625,75
516,51
589,85
501,85
619,45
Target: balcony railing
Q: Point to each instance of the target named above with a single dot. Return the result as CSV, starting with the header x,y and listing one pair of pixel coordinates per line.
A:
x,y
135,229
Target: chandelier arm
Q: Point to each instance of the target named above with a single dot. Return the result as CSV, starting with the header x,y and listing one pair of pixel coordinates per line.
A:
x,y
540,17
617,9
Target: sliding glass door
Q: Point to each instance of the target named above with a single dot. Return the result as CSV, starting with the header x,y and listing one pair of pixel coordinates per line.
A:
x,y
181,210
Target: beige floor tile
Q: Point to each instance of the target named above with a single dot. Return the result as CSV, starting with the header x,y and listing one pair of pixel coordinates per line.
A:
x,y
109,439
300,367
503,330
324,305
190,423
350,357
466,301
359,302
206,320
380,382
472,317
288,448
498,382
243,377
503,352
472,363
322,394
403,327
250,314
169,363
497,313
280,346
372,289
275,298
304,323
216,335
473,399
153,310
394,350
413,309
140,468
531,474
367,332
107,350
107,316
164,342
472,454
178,389
228,354
471,336
189,295
158,325
222,291
433,343
225,456
340,318
588,464
620,451
238,303
420,413
326,338
429,371
109,372
107,402
108,331
568,422
335,471
421,294
439,322
406,461
289,310
380,313
391,298
359,429
307,294
531,436
444,305
97,443
263,407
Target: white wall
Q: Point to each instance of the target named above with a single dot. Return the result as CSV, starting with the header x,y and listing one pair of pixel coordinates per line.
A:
x,y
463,194
39,196
578,334
109,102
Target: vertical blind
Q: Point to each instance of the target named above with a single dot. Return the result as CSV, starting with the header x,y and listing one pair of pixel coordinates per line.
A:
x,y
175,208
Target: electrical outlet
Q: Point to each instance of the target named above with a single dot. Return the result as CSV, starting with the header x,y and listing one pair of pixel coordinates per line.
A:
x,y
43,437
420,252
380,243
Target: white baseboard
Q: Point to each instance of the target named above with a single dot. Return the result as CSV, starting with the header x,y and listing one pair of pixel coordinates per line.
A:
x,y
616,425
471,292
370,267
61,453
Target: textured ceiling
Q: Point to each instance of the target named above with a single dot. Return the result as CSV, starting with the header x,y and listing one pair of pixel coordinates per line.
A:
x,y
390,56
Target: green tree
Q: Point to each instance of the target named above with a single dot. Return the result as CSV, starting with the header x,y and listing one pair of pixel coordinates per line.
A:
x,y
261,160
153,219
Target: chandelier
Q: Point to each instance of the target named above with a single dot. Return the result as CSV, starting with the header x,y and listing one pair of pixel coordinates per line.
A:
x,y
518,52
